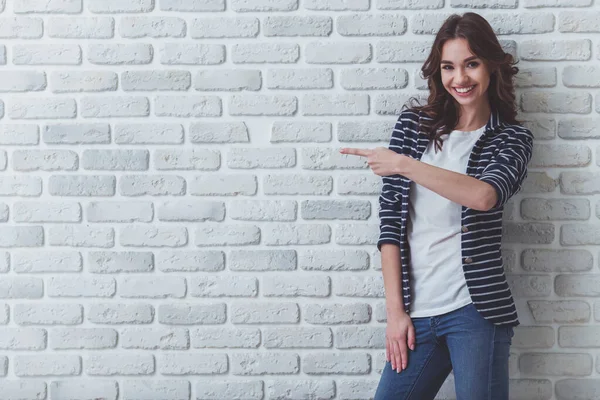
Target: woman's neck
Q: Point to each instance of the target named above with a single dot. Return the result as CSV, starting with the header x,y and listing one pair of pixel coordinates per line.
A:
x,y
471,119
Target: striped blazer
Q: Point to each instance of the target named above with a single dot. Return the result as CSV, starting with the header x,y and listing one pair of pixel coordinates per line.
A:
x,y
500,158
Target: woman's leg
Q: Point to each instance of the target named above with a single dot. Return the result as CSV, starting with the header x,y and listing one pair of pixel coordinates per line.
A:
x,y
479,352
427,368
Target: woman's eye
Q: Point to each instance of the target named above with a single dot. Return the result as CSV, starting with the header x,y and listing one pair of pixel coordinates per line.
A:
x,y
473,63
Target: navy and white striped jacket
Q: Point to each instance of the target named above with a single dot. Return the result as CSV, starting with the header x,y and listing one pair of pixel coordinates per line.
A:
x,y
500,158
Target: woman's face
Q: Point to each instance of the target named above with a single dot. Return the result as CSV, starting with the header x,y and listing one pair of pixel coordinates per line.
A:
x,y
462,69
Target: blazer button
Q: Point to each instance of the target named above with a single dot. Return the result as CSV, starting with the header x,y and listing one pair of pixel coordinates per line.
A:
x,y
468,260
465,229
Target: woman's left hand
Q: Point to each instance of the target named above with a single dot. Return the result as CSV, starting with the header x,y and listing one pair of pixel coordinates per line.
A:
x,y
383,161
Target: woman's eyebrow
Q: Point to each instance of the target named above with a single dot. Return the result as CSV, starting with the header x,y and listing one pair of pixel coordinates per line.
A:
x,y
465,60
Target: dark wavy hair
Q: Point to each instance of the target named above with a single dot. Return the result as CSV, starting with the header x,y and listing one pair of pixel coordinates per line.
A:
x,y
441,107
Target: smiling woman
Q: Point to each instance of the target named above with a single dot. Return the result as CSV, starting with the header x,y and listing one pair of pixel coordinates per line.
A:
x,y
448,171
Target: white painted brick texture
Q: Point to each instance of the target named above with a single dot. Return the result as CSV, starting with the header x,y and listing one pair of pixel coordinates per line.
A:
x,y
178,224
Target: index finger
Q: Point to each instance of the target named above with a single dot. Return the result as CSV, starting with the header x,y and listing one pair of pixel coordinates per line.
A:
x,y
356,152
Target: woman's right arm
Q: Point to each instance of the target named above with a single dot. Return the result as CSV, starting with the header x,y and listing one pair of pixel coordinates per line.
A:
x,y
400,330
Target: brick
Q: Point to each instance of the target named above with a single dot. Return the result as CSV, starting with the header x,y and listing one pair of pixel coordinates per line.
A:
x,y
66,286
579,234
191,314
278,105
336,5
193,364
532,337
306,78
371,25
374,78
334,260
528,233
585,128
153,185
208,337
229,80
46,54
192,5
40,108
536,77
539,209
561,311
219,286
224,27
198,159
584,285
72,133
115,160
342,104
46,261
156,80
84,389
46,212
152,287
22,81
346,234
156,390
187,106
579,182
296,234
119,364
262,260
45,160
289,131
120,6
47,365
263,210
156,133
282,184
83,338
340,53
335,209
81,27
19,134
297,26
228,389
115,262
546,260
297,337
190,261
404,51
114,211
556,3
260,312
296,286
218,132
48,314
191,210
82,81
578,21
120,313
337,363
21,236
249,158
81,236
265,363
555,364
30,339
21,28
585,389
115,107
557,50
258,53
152,27
80,185
359,337
408,4
192,54
120,54
224,185
530,285
153,236
264,5
230,235
20,186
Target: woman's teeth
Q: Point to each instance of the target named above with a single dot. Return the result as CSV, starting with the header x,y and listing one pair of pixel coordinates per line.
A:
x,y
466,90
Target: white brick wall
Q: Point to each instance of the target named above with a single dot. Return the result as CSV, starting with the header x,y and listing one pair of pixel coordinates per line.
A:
x,y
178,223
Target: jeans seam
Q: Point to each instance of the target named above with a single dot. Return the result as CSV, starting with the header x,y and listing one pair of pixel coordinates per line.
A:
x,y
491,363
412,389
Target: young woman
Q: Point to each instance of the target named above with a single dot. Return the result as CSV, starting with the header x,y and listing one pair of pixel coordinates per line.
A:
x,y
450,167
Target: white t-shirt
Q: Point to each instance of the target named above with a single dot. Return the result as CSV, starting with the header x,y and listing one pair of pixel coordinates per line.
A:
x,y
438,283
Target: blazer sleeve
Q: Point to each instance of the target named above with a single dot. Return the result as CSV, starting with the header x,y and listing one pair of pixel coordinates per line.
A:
x,y
390,199
508,169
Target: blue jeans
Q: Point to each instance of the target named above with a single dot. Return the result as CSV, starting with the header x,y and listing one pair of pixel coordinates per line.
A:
x,y
462,340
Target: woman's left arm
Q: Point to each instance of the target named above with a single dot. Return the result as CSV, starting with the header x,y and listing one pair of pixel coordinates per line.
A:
x,y
500,180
